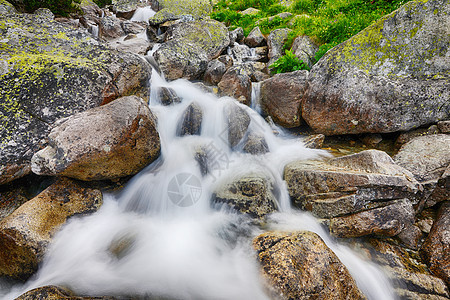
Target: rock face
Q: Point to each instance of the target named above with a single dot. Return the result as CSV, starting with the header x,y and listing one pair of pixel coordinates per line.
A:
x,y
349,184
299,265
190,46
392,76
26,233
52,292
111,141
281,97
49,71
436,248
251,195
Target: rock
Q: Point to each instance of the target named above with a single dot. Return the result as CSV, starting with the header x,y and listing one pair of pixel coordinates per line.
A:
x,y
305,49
214,72
191,121
52,292
112,141
251,195
236,36
280,16
441,191
314,141
174,9
349,184
255,38
189,48
64,71
388,220
168,96
378,81
255,144
444,126
124,8
275,42
298,265
238,121
26,233
436,248
236,83
260,54
134,45
110,28
281,97
227,60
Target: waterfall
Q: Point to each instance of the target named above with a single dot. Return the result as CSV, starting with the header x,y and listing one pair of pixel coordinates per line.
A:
x,y
160,237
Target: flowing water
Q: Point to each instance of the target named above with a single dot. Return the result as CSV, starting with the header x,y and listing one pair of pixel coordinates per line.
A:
x,y
160,236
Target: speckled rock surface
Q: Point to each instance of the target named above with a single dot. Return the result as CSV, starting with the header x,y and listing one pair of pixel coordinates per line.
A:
x,y
107,142
26,233
392,76
49,71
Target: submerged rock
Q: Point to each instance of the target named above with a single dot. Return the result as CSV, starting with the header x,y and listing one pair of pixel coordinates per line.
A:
x,y
107,142
299,265
392,76
26,233
168,96
49,71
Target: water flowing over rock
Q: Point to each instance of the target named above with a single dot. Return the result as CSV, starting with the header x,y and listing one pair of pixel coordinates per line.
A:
x,y
349,184
26,233
392,76
281,97
52,292
115,140
64,71
168,96
298,265
190,46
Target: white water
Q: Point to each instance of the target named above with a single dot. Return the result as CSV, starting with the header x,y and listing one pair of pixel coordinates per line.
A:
x,y
192,252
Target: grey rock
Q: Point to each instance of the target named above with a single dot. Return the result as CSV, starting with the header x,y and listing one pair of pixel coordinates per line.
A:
x,y
237,36
173,10
110,28
124,8
237,83
444,126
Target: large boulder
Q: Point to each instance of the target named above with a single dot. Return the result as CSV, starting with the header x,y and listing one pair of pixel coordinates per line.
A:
x,y
190,46
26,233
299,265
281,97
392,76
349,184
112,141
49,71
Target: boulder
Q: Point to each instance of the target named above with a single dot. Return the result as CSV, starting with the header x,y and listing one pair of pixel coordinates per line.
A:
x,y
251,195
436,248
236,83
112,141
305,49
189,47
131,27
239,53
275,42
7,8
26,233
407,136
52,292
175,9
392,76
349,184
49,71
281,97
237,122
191,120
299,265
255,144
255,38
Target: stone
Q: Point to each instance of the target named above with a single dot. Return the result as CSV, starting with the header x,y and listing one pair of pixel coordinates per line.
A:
x,y
7,8
168,96
52,292
237,120
108,142
191,120
26,233
281,97
305,49
255,38
214,72
436,248
372,139
349,184
250,11
444,126
392,76
441,191
44,12
299,265
275,42
110,28
174,9
251,195
236,83
64,71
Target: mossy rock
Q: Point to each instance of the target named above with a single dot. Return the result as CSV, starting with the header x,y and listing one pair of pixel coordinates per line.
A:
x,y
392,76
49,71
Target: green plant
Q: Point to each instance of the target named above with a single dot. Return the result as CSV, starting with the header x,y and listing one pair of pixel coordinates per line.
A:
x,y
288,63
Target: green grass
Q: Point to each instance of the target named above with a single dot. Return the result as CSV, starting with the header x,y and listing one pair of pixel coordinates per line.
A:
x,y
328,22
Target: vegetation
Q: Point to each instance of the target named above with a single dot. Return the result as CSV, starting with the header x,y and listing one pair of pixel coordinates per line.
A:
x,y
328,22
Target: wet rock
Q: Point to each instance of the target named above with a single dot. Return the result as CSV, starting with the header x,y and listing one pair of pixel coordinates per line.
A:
x,y
65,71
214,72
168,96
371,140
191,121
110,28
173,9
251,195
436,249
281,97
26,233
305,49
349,184
275,42
298,265
236,83
378,82
255,38
314,141
237,36
255,144
238,121
444,126
52,292
107,142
